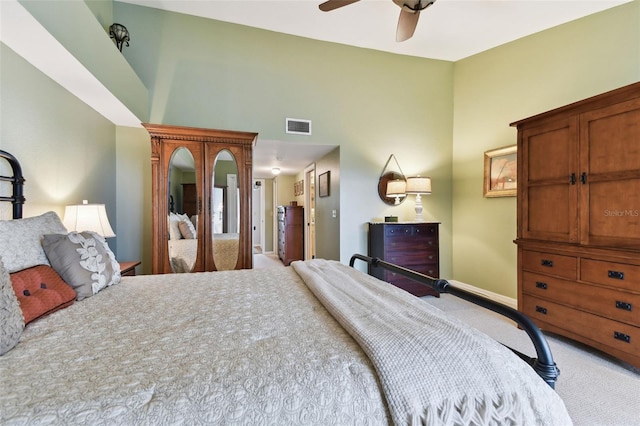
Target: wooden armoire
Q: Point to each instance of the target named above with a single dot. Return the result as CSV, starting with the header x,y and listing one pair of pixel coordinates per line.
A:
x,y
205,146
579,221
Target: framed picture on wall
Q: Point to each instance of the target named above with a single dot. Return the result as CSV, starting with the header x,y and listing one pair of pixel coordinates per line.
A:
x,y
501,172
323,184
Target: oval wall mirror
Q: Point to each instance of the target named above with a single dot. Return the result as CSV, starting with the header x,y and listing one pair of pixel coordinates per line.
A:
x,y
183,211
383,182
225,211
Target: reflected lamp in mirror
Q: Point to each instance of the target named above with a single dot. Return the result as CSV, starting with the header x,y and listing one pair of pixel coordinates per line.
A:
x,y
396,189
418,185
88,217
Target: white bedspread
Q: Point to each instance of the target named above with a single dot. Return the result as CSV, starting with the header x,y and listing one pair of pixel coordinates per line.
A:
x,y
254,347
250,347
434,370
182,254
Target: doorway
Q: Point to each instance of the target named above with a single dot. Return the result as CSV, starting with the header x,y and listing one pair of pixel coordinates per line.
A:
x,y
258,216
310,212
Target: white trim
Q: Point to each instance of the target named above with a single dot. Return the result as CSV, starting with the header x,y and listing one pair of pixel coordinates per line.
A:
x,y
505,300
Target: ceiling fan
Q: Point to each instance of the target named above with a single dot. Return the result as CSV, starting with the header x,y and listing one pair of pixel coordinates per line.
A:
x,y
409,14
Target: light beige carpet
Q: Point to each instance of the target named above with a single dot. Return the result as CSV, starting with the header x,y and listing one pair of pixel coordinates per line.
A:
x,y
597,390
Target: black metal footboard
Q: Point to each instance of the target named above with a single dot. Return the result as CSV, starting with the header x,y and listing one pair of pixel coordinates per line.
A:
x,y
543,364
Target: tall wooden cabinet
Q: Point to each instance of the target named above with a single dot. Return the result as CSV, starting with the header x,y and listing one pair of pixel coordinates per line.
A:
x,y
290,233
206,148
579,221
412,245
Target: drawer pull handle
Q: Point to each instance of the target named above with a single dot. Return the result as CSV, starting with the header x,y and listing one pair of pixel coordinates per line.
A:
x,y
546,262
616,275
621,336
540,284
624,306
541,310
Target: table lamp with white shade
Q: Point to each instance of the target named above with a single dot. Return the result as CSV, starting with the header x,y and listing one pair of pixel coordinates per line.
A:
x,y
396,189
88,217
418,185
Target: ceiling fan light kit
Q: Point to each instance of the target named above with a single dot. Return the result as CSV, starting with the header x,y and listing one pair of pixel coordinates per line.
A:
x,y
409,14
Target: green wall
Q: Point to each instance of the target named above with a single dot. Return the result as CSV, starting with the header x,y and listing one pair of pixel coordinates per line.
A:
x,y
205,73
66,149
436,117
526,77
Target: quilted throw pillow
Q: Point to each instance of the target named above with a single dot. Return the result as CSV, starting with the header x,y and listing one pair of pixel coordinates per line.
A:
x,y
40,291
20,246
83,260
10,313
187,230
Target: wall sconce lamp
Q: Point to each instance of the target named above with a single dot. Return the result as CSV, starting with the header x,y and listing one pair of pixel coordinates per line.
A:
x,y
396,188
418,185
120,34
88,217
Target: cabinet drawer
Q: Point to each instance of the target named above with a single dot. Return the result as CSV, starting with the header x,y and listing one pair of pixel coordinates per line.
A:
x,y
614,334
553,264
399,242
409,259
619,275
413,230
430,270
618,305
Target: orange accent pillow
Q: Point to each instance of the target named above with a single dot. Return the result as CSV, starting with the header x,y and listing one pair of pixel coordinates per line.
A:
x,y
40,291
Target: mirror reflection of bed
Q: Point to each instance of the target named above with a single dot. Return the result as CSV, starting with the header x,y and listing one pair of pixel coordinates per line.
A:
x,y
226,211
183,211
183,214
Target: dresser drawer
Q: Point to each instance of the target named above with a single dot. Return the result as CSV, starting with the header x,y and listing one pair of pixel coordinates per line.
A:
x,y
618,305
430,270
623,337
553,264
619,275
411,257
413,230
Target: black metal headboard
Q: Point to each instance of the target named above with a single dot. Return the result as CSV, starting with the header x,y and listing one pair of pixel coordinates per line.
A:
x,y
17,183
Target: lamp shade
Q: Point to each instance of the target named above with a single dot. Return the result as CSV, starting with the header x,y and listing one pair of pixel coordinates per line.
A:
x,y
418,185
88,217
396,188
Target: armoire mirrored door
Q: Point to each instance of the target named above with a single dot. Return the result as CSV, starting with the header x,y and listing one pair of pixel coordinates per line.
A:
x,y
201,182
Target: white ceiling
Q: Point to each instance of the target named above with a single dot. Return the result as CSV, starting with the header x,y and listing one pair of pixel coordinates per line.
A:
x,y
448,30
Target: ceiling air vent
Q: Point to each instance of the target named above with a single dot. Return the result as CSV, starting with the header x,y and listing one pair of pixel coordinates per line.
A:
x,y
298,127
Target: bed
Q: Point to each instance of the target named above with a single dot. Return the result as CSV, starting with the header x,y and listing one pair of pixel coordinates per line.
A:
x,y
317,342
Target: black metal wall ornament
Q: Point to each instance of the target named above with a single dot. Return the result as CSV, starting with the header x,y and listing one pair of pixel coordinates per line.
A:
x,y
120,34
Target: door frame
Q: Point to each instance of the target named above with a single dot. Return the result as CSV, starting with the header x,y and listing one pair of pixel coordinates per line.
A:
x,y
309,203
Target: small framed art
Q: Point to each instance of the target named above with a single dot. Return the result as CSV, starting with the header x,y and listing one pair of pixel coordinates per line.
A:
x,y
323,184
501,172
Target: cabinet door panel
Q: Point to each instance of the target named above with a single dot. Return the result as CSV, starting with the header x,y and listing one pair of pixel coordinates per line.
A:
x,y
610,195
549,198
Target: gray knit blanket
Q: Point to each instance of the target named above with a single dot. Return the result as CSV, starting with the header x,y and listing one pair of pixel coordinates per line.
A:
x,y
433,369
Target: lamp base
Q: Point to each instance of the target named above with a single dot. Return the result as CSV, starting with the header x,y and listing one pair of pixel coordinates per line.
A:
x,y
418,209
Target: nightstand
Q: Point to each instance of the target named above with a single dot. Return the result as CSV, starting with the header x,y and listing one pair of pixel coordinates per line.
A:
x,y
128,268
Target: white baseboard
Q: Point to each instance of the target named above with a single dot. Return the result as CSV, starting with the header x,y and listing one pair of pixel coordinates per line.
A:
x,y
505,300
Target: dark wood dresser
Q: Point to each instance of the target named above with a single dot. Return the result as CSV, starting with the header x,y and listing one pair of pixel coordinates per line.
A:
x,y
579,221
413,245
290,233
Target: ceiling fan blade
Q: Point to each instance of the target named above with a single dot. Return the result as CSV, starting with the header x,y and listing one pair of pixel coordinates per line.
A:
x,y
335,4
406,24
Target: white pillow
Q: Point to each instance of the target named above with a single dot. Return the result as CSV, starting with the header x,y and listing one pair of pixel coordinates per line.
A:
x,y
20,246
187,230
174,229
10,313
